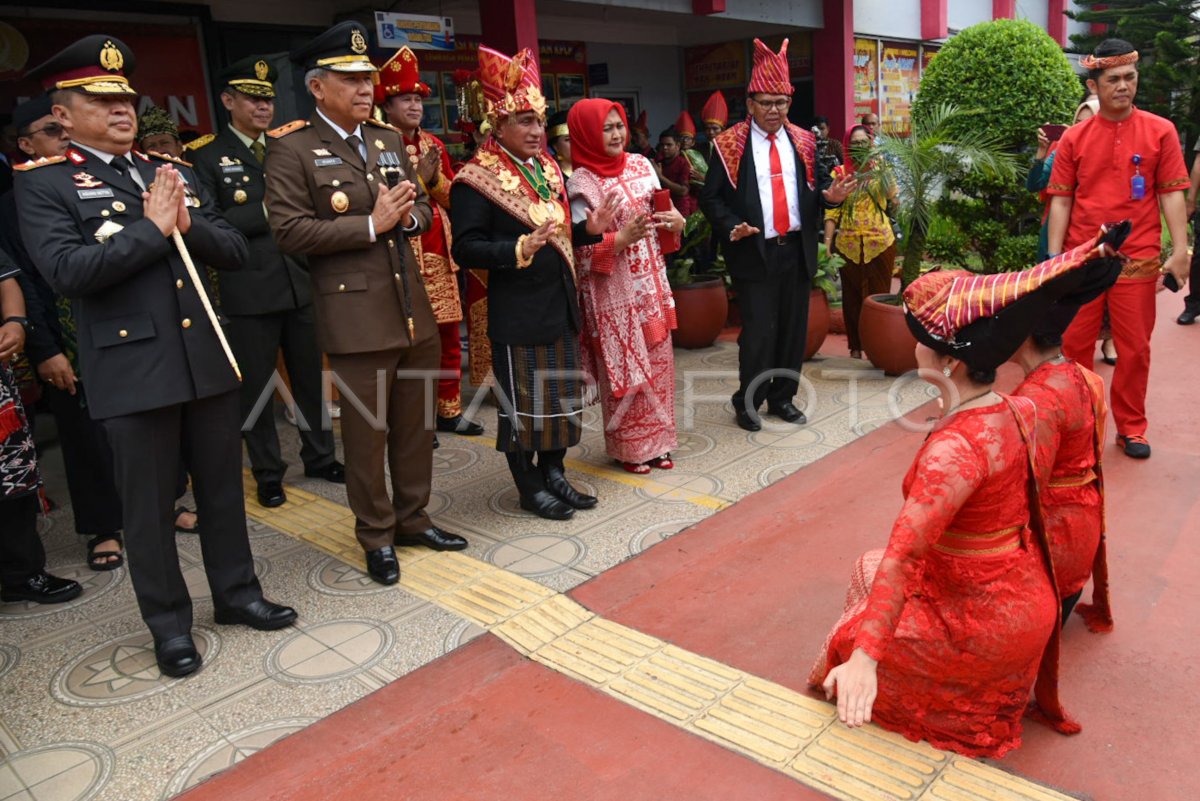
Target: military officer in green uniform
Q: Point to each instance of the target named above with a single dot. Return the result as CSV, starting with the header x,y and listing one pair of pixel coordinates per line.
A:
x,y
269,301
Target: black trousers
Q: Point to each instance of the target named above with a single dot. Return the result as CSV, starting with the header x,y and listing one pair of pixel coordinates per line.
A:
x,y
21,553
774,325
256,340
88,461
528,476
1192,301
147,447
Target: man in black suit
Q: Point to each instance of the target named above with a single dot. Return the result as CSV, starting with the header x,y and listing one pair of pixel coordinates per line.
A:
x,y
99,223
269,301
766,192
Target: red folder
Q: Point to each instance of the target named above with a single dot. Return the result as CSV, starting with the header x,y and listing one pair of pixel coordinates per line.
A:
x,y
668,241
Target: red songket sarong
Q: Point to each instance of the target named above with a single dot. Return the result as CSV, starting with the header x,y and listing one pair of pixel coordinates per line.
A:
x,y
628,313
1071,417
960,609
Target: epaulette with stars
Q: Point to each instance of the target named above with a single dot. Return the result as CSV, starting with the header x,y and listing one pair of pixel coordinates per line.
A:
x,y
284,130
165,157
381,124
42,162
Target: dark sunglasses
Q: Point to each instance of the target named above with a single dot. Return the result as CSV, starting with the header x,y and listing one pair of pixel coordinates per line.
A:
x,y
51,129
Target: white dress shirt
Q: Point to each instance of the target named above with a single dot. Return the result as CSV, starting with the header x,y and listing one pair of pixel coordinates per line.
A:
x,y
762,171
107,158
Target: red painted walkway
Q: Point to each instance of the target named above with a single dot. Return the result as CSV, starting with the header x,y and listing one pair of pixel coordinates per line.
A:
x,y
757,587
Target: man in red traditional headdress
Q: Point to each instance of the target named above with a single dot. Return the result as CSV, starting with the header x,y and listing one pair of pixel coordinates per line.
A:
x,y
511,218
401,95
715,118
765,191
1121,163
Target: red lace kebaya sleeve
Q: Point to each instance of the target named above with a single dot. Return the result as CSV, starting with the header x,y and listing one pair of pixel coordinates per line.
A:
x,y
948,470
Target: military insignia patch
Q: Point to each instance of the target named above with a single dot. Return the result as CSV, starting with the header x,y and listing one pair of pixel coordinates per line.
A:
x,y
84,180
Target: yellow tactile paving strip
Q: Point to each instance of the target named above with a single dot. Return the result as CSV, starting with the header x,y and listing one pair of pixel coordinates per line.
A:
x,y
658,489
777,727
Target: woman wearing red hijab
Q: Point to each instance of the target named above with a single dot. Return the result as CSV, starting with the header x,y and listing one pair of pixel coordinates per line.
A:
x,y
861,232
628,311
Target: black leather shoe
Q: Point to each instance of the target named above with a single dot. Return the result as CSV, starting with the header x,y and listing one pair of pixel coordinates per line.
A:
x,y
42,588
383,566
335,472
433,538
459,425
556,482
436,444
271,494
261,614
177,656
1187,318
544,503
746,422
788,413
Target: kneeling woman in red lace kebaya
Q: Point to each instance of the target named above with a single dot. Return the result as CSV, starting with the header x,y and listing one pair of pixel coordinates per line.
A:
x,y
947,629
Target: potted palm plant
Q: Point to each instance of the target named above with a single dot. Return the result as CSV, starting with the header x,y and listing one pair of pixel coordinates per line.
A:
x,y
698,285
920,165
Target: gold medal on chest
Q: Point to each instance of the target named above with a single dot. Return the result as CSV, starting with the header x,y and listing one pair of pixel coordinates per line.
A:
x,y
339,201
239,196
544,211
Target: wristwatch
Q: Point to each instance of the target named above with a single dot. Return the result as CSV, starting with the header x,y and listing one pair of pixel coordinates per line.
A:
x,y
21,321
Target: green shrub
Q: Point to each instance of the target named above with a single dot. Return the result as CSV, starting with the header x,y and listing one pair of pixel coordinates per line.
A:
x,y
1010,77
945,244
1015,253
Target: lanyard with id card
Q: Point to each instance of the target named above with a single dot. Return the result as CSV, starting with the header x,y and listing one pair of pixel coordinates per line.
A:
x,y
1137,184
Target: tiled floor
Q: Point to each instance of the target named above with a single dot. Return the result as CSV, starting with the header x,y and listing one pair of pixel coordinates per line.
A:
x,y
86,714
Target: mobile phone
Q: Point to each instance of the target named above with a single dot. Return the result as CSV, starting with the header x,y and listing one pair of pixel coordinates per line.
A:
x,y
1053,132
1170,283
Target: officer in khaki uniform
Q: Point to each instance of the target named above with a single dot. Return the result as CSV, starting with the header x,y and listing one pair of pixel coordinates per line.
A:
x,y
269,301
328,198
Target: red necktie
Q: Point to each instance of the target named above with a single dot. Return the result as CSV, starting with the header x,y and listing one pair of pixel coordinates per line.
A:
x,y
778,193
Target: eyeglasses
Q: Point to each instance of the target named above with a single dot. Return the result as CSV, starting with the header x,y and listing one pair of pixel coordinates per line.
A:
x,y
51,129
780,104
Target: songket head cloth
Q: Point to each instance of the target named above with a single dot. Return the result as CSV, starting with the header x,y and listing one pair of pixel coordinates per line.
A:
x,y
716,110
771,74
983,319
1110,53
557,127
400,75
685,125
511,85
156,121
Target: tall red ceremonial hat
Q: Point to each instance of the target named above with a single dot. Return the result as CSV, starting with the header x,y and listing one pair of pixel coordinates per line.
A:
x,y
684,124
771,74
642,123
715,110
400,75
511,85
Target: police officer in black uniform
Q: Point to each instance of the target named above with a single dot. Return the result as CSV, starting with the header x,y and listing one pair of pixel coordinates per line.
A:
x,y
269,301
99,223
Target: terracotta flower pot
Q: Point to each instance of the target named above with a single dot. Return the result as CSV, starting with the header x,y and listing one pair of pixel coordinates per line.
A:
x,y
818,323
701,308
885,336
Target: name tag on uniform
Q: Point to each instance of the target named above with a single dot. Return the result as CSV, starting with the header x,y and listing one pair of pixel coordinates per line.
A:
x,y
228,168
333,161
92,194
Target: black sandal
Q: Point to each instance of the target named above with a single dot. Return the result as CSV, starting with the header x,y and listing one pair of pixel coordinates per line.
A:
x,y
183,510
102,561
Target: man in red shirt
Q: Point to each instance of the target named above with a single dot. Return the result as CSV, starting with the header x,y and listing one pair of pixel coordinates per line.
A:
x,y
675,171
1123,163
